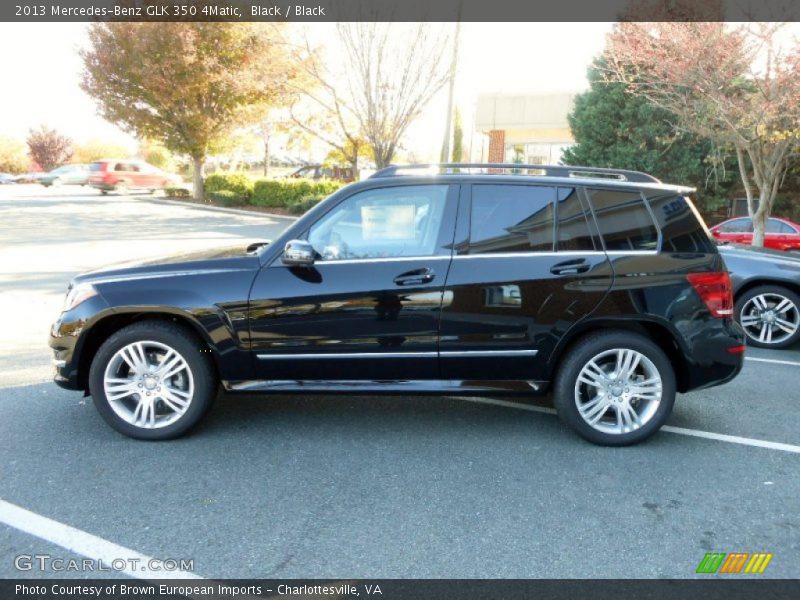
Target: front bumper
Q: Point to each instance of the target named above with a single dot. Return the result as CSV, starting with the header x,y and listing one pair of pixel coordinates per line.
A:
x,y
68,338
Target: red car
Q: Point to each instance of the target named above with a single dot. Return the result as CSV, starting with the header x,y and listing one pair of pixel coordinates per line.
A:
x,y
781,234
129,174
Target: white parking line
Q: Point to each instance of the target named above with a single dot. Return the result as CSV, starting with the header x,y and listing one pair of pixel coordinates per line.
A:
x,y
709,435
771,360
733,439
85,544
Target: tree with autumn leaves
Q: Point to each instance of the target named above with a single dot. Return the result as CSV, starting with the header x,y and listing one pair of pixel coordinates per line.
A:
x,y
186,85
736,85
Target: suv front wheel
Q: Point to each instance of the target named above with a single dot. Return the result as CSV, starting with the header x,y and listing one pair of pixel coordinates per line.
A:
x,y
615,388
770,316
152,381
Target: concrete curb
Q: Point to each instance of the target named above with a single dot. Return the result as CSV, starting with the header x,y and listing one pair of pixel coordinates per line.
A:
x,y
235,211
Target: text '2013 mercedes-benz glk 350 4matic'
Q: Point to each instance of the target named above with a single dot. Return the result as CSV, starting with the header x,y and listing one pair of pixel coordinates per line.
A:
x,y
601,287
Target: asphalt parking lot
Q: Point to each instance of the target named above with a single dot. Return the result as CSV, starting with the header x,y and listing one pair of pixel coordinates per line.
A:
x,y
363,487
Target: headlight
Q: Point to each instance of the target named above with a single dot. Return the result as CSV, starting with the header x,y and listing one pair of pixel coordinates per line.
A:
x,y
77,295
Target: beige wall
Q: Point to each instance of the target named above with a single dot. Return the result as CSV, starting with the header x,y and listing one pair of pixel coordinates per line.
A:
x,y
536,122
523,112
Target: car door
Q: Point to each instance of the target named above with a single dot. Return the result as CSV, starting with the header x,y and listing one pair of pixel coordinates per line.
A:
x,y
743,232
369,307
779,235
125,174
790,237
149,176
528,266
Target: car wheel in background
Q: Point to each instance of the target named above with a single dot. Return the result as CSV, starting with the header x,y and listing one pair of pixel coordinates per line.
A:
x,y
615,388
770,316
152,380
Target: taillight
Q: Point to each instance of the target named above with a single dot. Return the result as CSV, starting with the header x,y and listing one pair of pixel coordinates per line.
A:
x,y
715,290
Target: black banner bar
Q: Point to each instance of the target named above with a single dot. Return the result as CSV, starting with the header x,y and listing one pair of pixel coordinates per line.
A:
x,y
398,10
713,588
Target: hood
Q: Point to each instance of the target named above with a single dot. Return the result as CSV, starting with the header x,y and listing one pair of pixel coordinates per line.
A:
x,y
228,258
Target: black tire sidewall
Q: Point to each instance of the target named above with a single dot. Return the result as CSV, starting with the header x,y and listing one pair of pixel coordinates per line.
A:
x,y
182,342
580,354
766,289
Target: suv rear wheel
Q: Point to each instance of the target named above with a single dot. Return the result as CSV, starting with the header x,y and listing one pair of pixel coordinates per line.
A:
x,y
151,381
615,388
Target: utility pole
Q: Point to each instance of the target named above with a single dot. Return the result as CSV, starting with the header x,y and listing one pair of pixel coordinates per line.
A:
x,y
445,157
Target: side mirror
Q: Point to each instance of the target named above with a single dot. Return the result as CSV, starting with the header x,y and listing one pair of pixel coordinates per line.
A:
x,y
298,253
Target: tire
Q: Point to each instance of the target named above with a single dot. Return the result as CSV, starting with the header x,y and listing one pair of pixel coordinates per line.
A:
x,y
605,400
104,192
176,406
764,325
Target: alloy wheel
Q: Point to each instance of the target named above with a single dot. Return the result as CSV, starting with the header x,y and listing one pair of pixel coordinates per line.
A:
x,y
148,384
618,391
770,318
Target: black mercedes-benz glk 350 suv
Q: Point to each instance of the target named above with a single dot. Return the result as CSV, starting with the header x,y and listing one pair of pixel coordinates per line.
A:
x,y
602,287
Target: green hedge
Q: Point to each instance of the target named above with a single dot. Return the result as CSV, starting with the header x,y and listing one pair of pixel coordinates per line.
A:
x,y
295,195
286,192
305,204
176,192
238,183
227,198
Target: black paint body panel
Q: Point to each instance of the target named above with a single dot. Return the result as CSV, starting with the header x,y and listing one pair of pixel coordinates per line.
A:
x,y
253,313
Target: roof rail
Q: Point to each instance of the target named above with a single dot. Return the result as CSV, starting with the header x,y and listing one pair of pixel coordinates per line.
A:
x,y
515,169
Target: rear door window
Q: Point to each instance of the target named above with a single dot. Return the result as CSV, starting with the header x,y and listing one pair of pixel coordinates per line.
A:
x,y
511,218
776,226
573,233
624,220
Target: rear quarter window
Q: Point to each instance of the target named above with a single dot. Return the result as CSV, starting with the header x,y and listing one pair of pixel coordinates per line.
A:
x,y
624,220
681,228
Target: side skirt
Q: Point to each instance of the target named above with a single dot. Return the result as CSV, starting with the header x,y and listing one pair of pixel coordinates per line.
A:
x,y
415,386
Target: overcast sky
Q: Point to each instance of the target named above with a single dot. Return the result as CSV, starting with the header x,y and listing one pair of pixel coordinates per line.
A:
x,y
41,70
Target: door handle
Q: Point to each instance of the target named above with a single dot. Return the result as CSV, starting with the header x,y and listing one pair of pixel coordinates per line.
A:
x,y
570,267
415,277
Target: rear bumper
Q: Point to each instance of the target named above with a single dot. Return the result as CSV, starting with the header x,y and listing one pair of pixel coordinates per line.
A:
x,y
715,357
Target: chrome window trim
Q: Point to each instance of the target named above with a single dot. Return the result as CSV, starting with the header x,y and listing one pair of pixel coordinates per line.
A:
x,y
564,253
476,353
349,261
429,354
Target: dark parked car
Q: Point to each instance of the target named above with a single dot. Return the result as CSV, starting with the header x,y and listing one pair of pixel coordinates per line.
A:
x,y
766,286
317,172
602,286
33,177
